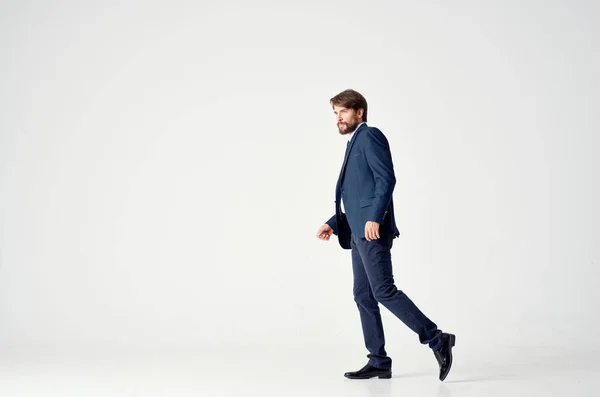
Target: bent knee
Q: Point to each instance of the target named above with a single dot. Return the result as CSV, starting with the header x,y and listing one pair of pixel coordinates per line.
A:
x,y
362,296
385,292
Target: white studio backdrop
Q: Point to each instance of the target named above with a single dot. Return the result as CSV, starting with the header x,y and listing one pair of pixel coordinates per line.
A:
x,y
164,167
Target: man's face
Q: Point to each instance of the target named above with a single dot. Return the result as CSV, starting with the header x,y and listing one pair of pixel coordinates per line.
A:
x,y
347,119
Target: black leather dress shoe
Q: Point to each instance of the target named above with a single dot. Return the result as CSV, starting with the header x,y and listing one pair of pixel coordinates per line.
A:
x,y
369,371
444,355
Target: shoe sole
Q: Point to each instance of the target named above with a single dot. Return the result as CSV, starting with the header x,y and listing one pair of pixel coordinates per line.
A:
x,y
384,376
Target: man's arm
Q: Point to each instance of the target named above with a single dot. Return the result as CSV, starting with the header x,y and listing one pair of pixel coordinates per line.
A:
x,y
332,224
379,158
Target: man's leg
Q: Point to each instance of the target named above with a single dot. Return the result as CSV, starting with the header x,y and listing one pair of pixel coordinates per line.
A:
x,y
377,261
370,316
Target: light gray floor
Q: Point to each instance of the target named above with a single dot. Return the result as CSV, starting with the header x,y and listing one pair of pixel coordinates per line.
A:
x,y
507,371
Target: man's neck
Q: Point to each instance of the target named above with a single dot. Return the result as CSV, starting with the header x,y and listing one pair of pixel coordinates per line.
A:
x,y
357,127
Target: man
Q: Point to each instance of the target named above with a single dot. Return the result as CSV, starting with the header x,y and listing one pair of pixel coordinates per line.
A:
x,y
364,222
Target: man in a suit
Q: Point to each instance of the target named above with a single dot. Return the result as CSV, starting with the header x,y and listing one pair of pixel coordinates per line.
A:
x,y
364,222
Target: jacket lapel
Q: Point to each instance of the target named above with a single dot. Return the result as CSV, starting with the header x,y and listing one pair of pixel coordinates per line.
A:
x,y
348,150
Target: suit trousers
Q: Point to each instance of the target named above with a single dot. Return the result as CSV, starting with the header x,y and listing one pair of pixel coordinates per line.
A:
x,y
373,284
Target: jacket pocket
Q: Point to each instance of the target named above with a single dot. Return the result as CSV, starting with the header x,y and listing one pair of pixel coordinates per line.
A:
x,y
366,202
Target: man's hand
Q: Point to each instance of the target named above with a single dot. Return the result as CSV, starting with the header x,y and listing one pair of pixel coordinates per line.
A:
x,y
324,232
371,231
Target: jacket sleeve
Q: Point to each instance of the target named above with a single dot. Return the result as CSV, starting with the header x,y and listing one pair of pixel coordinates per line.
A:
x,y
333,224
379,158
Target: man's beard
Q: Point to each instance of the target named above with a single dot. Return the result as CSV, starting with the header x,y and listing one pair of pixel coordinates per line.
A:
x,y
349,128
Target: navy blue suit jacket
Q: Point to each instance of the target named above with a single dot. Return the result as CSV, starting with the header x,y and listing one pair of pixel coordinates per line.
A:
x,y
366,184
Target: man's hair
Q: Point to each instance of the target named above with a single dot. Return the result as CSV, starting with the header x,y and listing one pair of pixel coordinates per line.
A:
x,y
352,100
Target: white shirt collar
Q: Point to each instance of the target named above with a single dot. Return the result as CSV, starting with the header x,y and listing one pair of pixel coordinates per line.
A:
x,y
352,133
